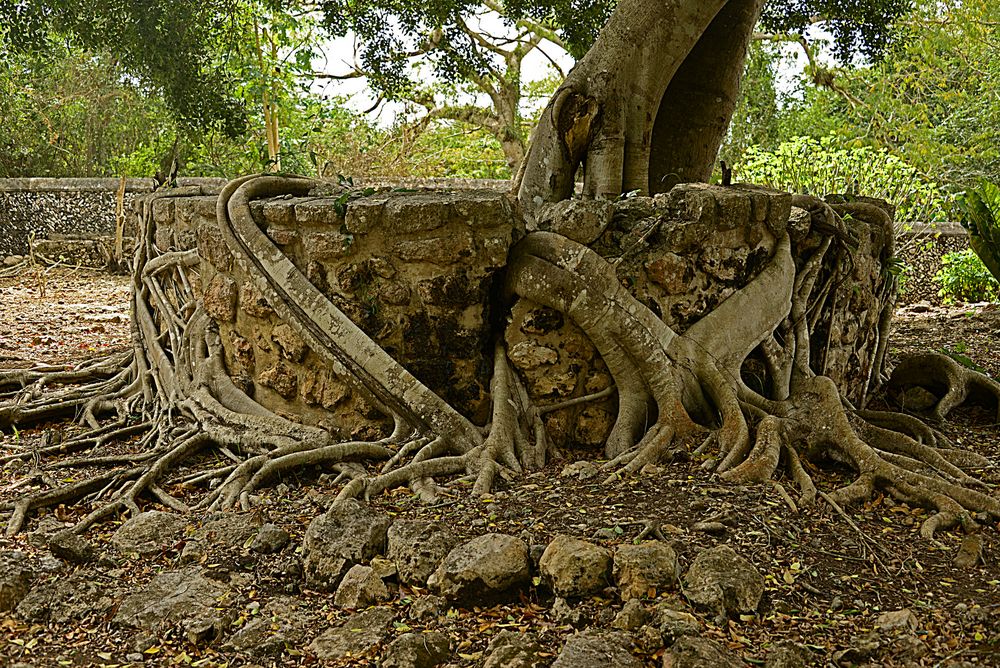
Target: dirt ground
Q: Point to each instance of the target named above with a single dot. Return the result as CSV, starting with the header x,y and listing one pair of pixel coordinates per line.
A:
x,y
828,578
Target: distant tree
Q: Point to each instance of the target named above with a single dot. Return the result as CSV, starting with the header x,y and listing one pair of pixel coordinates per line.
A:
x,y
932,100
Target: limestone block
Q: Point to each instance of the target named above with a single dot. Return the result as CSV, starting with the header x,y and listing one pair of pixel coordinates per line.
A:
x,y
220,298
417,212
321,246
253,302
193,212
318,212
292,347
365,214
442,251
213,248
279,378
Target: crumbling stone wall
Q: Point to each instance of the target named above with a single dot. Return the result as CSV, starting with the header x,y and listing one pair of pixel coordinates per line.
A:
x,y
419,272
682,254
414,270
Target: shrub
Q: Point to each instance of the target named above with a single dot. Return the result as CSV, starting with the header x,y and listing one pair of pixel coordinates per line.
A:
x,y
825,166
964,277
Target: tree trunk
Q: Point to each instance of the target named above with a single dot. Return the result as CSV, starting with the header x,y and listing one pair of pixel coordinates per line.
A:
x,y
698,105
603,113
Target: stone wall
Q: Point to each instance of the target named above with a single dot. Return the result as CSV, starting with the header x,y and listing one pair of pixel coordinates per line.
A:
x,y
67,208
921,250
414,270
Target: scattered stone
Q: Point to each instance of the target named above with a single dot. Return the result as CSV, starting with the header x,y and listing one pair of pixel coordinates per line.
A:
x,y
349,533
72,548
384,568
591,649
270,539
426,608
908,647
63,600
711,528
417,548
971,552
482,568
693,652
516,650
633,615
788,654
918,399
647,640
16,575
721,581
897,620
644,569
575,568
148,532
186,597
861,648
674,624
258,638
563,613
355,637
360,588
417,650
584,470
46,528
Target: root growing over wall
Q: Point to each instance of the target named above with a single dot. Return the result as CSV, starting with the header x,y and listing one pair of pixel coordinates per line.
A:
x,y
203,442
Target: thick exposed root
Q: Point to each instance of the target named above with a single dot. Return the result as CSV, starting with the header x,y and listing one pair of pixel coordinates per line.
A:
x,y
205,444
947,380
173,393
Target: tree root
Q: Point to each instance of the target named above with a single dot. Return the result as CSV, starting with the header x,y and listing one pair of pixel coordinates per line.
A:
x,y
674,390
950,381
172,391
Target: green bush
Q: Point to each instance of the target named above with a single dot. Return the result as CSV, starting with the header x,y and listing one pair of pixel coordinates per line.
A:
x,y
826,166
981,217
963,277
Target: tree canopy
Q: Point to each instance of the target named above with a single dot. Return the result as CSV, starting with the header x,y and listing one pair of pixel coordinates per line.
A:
x,y
183,48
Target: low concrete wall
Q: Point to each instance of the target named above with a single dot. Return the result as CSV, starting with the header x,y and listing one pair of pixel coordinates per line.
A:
x,y
80,208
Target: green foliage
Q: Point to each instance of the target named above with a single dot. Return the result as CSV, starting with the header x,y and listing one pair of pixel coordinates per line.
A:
x,y
963,277
167,44
981,217
825,166
857,26
755,121
71,114
932,100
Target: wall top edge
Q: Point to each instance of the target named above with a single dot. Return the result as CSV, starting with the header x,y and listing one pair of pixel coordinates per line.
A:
x,y
46,184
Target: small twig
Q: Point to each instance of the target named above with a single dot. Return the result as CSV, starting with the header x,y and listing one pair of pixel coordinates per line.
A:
x,y
840,511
